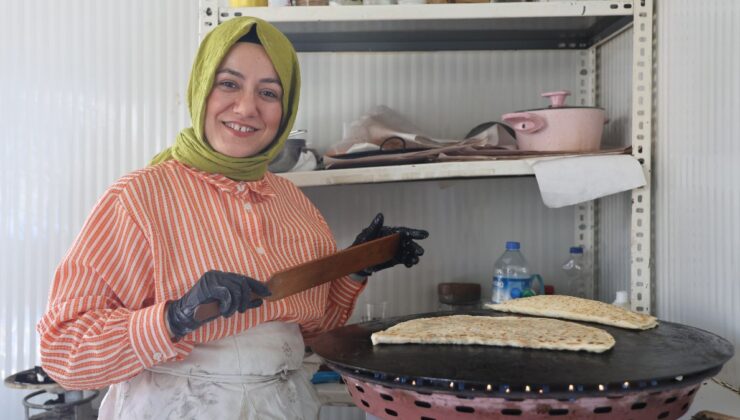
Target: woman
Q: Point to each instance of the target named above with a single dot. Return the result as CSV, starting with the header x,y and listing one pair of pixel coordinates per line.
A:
x,y
206,222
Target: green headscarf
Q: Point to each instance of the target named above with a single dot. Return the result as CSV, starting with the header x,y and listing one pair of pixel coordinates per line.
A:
x,y
191,147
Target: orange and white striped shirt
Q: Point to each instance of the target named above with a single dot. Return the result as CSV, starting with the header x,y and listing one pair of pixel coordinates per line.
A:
x,y
149,239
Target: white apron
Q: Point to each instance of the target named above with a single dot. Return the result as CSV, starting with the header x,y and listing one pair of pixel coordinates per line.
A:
x,y
255,375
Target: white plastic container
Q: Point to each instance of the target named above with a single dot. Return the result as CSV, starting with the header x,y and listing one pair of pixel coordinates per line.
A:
x,y
575,274
622,300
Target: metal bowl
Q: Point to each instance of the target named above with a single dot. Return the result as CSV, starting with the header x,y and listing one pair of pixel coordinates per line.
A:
x,y
287,158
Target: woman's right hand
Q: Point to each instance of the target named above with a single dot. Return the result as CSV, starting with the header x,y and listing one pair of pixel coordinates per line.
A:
x,y
408,251
233,292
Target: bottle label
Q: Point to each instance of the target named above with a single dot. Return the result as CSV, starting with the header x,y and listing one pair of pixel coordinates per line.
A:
x,y
507,288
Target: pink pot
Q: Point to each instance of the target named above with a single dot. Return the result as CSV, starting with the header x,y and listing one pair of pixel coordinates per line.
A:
x,y
559,127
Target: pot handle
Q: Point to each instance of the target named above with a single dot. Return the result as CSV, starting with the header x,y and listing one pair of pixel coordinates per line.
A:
x,y
524,122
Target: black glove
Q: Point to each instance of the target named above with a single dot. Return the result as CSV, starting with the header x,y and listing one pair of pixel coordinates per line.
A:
x,y
408,251
233,292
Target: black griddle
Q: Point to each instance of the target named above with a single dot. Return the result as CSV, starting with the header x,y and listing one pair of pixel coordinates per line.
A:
x,y
668,356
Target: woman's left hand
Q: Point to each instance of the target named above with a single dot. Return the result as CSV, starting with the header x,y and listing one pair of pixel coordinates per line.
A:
x,y
408,251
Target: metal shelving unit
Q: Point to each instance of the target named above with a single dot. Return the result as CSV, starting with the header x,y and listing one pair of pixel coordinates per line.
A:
x,y
575,25
430,27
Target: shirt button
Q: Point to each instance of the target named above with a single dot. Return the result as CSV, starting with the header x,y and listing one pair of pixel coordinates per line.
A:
x,y
248,206
240,187
157,356
260,250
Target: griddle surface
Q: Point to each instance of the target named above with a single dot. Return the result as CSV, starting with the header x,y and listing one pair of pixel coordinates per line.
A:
x,y
668,351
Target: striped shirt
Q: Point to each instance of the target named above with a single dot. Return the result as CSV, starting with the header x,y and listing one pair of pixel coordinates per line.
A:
x,y
149,238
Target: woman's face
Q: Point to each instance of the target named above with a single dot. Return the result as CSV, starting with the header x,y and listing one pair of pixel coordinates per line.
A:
x,y
244,108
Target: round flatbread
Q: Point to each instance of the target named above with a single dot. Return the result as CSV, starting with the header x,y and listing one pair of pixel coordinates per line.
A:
x,y
511,331
577,309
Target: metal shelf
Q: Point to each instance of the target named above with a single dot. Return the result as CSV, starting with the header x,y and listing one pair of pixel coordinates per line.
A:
x,y
415,172
437,27
584,25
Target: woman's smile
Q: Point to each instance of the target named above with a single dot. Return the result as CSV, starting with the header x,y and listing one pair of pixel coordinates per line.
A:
x,y
240,130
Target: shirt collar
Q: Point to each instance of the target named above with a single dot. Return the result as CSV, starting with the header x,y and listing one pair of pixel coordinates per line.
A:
x,y
260,189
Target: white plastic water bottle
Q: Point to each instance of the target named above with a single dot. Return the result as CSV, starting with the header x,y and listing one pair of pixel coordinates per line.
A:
x,y
575,275
511,275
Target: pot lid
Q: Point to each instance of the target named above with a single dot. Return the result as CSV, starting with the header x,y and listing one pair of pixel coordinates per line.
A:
x,y
557,101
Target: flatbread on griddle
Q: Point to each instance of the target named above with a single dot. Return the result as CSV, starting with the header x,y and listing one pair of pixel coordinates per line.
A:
x,y
578,309
510,331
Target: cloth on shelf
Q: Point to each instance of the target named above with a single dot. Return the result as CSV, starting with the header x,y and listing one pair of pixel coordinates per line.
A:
x,y
572,180
307,161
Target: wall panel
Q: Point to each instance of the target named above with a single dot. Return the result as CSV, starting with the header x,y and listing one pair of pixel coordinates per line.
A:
x,y
469,222
615,88
89,91
445,93
697,208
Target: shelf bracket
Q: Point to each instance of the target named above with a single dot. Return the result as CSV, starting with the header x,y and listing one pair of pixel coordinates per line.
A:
x,y
585,213
207,17
642,134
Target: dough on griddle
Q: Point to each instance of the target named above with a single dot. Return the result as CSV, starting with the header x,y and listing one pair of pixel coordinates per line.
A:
x,y
509,331
578,309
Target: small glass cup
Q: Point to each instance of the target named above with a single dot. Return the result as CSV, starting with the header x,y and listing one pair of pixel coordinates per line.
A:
x,y
374,311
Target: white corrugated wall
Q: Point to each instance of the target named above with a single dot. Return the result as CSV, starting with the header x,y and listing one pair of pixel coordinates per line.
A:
x,y
697,172
444,93
90,90
615,96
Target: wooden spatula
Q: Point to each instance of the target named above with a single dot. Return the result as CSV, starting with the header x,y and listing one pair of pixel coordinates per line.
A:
x,y
313,273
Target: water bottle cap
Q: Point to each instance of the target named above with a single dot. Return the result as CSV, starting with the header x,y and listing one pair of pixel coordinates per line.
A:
x,y
512,245
576,250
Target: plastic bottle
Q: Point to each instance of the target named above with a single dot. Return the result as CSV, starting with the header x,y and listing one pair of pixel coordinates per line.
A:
x,y
511,275
575,275
622,300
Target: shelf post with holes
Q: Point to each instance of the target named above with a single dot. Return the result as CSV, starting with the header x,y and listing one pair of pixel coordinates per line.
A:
x,y
207,17
642,115
585,213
